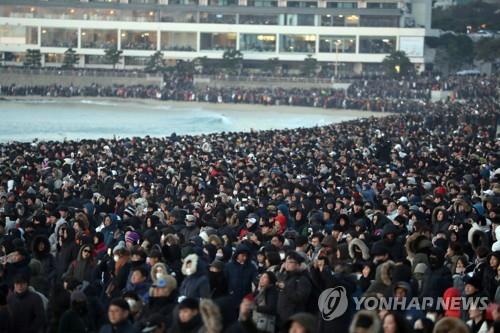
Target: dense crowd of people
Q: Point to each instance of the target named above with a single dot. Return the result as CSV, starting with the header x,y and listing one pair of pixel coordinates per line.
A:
x,y
244,232
370,95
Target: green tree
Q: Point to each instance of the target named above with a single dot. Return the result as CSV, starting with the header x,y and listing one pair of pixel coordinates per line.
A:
x,y
397,64
309,66
185,67
452,51
476,14
70,58
272,65
155,62
113,56
488,49
232,61
33,58
202,65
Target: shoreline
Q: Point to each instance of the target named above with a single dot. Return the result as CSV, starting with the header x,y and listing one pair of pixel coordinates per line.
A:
x,y
235,107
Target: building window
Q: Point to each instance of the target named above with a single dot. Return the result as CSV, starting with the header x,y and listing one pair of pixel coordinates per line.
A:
x,y
59,37
262,3
95,60
223,2
258,42
343,5
217,41
382,5
54,58
183,2
178,41
18,35
379,21
99,38
297,19
330,20
352,21
340,44
136,61
302,4
305,19
138,40
377,44
217,18
259,19
298,43
177,16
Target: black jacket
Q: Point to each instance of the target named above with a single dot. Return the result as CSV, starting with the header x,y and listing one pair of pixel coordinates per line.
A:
x,y
66,254
45,257
27,312
292,298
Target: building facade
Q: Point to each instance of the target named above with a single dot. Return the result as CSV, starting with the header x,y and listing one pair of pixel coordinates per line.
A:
x,y
354,34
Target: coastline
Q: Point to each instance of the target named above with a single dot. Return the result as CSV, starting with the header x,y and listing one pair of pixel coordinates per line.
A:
x,y
243,108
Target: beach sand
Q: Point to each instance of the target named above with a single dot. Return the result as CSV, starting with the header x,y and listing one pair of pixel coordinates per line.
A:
x,y
244,108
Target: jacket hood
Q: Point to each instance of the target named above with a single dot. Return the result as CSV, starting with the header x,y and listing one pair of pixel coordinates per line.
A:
x,y
211,315
367,317
41,239
242,248
451,293
383,273
195,262
358,243
477,237
436,211
80,252
417,243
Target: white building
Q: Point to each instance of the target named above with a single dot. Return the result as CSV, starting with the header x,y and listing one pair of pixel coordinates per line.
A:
x,y
352,33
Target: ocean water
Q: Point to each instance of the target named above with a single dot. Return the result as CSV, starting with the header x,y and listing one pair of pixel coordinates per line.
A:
x,y
59,119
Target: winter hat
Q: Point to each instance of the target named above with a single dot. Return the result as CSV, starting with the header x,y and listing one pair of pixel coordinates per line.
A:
x,y
78,296
440,191
379,249
295,256
129,211
119,246
450,297
473,281
132,237
189,303
252,218
218,264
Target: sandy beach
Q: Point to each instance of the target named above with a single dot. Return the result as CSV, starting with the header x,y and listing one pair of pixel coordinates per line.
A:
x,y
293,110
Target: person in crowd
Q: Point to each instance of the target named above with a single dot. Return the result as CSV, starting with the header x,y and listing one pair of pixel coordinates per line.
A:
x,y
25,307
259,223
75,318
118,316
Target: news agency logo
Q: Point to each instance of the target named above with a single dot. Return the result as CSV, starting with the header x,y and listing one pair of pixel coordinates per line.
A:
x,y
333,303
